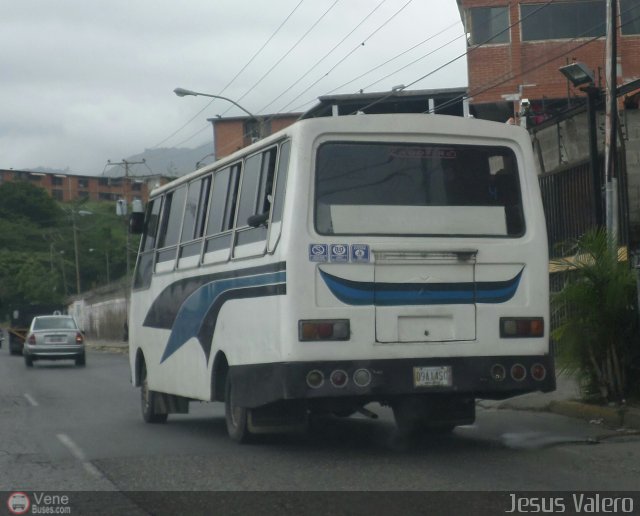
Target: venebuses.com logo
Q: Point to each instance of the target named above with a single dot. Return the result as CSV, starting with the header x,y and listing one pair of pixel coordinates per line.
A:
x,y
18,503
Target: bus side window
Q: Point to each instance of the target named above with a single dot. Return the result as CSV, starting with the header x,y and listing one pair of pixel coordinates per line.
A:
x,y
219,220
144,265
277,203
255,200
281,182
171,224
195,209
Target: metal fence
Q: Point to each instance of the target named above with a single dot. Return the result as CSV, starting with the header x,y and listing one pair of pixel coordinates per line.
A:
x,y
568,201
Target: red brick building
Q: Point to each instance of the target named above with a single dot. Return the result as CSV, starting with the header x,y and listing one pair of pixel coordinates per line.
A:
x,y
517,46
231,134
66,187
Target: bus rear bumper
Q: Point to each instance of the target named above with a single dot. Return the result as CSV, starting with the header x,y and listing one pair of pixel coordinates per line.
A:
x,y
387,380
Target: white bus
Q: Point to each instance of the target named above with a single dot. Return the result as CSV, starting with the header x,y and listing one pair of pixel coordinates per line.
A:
x,y
398,259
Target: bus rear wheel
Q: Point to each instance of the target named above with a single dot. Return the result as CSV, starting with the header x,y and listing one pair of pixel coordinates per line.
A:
x,y
148,402
235,417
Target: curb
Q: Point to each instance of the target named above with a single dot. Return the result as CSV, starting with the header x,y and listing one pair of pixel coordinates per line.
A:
x,y
109,348
611,416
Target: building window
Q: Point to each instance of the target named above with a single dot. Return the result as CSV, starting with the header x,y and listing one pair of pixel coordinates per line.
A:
x,y
489,25
57,194
563,20
136,186
83,183
630,16
56,181
103,181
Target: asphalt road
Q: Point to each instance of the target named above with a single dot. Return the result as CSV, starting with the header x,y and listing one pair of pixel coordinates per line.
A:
x,y
64,428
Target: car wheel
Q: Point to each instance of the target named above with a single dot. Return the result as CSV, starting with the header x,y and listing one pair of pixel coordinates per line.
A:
x,y
148,402
236,417
81,360
28,361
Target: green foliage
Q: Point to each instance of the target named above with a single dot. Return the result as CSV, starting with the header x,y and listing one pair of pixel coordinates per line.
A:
x,y
22,200
598,333
37,252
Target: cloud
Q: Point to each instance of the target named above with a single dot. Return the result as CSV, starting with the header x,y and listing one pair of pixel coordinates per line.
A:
x,y
83,84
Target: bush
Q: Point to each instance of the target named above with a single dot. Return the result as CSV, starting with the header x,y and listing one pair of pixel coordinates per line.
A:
x,y
597,333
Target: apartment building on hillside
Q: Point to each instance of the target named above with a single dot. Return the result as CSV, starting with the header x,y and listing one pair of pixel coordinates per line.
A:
x,y
68,187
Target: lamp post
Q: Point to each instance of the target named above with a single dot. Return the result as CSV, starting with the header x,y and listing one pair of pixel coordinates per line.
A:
x,y
580,76
181,92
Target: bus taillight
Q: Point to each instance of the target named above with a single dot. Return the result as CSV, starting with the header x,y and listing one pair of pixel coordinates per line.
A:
x,y
514,327
338,329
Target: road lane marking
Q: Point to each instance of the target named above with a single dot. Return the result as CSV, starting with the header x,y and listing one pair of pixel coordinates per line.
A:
x,y
77,452
31,399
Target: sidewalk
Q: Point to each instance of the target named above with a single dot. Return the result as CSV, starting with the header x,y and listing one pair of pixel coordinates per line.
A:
x,y
565,400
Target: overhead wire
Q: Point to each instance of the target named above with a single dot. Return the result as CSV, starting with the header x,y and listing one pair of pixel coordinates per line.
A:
x,y
451,61
535,65
325,56
291,49
344,58
258,52
397,56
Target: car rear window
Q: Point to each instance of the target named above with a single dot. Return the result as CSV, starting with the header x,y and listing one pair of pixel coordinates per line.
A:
x,y
54,323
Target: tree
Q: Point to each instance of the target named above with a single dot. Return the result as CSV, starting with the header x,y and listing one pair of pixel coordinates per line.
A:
x,y
22,200
598,332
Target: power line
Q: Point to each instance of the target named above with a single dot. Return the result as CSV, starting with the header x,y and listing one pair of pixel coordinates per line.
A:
x,y
313,26
325,56
386,22
399,55
534,66
485,42
234,77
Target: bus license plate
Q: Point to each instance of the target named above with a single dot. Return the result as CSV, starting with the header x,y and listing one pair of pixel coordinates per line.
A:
x,y
432,376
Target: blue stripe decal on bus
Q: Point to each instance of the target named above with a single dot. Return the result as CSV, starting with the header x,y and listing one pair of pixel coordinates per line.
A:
x,y
394,294
192,314
190,306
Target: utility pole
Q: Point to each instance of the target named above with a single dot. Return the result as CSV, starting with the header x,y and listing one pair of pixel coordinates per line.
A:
x,y
126,164
125,189
611,119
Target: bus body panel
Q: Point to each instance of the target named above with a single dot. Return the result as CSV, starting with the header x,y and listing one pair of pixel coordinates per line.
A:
x,y
257,325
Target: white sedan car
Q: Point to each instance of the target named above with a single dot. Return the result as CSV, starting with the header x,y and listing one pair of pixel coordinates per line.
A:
x,y
54,337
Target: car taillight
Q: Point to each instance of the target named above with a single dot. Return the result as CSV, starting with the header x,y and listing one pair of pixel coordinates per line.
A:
x,y
514,327
31,340
79,338
337,329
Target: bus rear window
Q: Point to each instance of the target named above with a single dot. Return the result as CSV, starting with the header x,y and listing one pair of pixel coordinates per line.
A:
x,y
426,189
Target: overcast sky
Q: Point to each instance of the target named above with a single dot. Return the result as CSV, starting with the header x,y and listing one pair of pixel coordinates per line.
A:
x,y
83,82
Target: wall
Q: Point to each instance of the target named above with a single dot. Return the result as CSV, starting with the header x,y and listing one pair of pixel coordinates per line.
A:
x,y
102,313
568,142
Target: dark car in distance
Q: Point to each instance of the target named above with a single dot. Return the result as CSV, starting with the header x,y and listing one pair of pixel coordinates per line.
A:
x,y
54,337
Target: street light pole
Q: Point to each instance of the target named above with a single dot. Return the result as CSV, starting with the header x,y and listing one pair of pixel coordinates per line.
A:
x,y
75,250
75,243
593,93
181,92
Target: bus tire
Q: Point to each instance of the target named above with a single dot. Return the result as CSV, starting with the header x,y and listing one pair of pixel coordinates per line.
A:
x,y
148,402
235,417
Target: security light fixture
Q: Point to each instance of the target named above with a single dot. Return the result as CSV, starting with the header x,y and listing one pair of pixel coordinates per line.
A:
x,y
577,73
